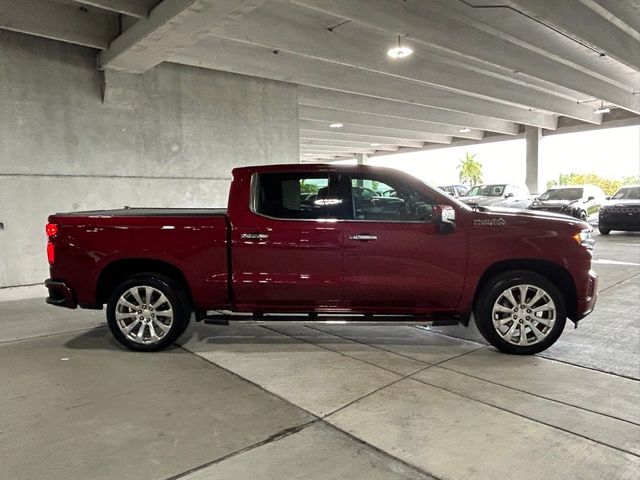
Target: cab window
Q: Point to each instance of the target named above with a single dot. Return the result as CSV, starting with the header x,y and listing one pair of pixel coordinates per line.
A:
x,y
295,195
380,199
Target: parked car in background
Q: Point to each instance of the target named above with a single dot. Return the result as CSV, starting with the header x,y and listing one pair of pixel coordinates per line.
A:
x,y
454,190
507,195
621,211
579,201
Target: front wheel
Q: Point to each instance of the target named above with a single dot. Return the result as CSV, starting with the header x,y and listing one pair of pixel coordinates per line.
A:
x,y
604,231
148,312
520,312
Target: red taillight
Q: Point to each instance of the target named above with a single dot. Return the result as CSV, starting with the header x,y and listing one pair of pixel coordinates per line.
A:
x,y
51,253
51,229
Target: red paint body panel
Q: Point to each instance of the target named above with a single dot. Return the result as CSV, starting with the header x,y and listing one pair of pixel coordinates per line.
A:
x,y
195,245
313,265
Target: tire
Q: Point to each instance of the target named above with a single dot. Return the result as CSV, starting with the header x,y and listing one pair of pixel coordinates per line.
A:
x,y
541,329
154,327
604,230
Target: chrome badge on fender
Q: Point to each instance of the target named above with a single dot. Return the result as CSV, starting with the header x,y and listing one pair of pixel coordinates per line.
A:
x,y
490,222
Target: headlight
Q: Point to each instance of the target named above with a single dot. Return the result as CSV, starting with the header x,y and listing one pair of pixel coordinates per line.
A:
x,y
584,238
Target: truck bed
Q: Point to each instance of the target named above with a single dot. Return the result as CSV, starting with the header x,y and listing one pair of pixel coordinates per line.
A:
x,y
148,212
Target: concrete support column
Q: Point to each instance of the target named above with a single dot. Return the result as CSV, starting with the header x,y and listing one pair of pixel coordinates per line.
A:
x,y
361,158
533,135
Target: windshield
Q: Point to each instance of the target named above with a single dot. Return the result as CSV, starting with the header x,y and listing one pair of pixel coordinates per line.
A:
x,y
486,191
627,193
562,194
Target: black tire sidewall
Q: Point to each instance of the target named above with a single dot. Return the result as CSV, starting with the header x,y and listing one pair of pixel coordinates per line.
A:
x,y
174,293
604,230
498,284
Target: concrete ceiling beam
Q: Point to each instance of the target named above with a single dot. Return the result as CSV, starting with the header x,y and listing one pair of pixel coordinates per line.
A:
x,y
132,8
224,54
625,15
392,126
375,131
335,150
436,120
577,19
285,27
311,142
58,21
333,136
431,23
171,26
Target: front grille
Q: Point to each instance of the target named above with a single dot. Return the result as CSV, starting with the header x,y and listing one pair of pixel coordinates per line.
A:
x,y
621,210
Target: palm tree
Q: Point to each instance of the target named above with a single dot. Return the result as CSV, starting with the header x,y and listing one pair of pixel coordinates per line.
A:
x,y
470,170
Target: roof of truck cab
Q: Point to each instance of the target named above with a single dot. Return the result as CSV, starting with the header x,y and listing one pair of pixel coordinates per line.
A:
x,y
315,167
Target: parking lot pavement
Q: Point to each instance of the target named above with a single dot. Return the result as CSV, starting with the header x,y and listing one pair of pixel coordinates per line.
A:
x,y
77,406
324,401
21,319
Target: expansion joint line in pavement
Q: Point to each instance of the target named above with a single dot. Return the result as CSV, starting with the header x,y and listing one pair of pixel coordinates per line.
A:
x,y
402,354
618,283
276,436
527,417
542,396
292,430
411,376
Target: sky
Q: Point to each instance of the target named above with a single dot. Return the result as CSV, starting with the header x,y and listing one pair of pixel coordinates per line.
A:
x,y
611,152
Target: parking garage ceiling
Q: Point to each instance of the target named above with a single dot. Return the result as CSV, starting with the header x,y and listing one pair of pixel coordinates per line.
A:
x,y
479,68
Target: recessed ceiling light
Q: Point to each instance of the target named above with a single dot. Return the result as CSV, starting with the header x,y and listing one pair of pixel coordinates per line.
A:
x,y
336,125
308,154
464,130
399,51
374,144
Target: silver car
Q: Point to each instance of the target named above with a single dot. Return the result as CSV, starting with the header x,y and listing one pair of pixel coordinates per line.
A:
x,y
503,195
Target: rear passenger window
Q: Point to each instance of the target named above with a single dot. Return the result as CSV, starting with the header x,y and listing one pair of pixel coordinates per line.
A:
x,y
298,196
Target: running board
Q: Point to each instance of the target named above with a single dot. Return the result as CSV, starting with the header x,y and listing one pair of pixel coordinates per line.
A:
x,y
224,318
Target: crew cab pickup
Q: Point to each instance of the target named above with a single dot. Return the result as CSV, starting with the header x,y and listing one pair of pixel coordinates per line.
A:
x,y
303,242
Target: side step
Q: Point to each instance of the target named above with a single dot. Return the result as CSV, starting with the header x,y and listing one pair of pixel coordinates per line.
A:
x,y
227,318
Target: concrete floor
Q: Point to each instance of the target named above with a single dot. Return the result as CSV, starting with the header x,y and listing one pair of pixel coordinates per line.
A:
x,y
324,402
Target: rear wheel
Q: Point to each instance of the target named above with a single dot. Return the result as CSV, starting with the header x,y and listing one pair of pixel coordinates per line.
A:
x,y
520,312
148,312
604,230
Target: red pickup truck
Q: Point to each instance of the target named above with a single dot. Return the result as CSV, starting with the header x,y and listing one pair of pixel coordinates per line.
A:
x,y
325,243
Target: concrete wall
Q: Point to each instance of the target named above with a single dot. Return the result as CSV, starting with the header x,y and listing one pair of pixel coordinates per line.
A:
x,y
170,138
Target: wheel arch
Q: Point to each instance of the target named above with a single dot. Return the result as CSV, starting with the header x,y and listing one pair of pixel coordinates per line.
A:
x,y
119,270
557,274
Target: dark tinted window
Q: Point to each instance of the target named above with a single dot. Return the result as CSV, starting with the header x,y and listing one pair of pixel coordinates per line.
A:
x,y
562,194
486,191
627,193
300,196
387,200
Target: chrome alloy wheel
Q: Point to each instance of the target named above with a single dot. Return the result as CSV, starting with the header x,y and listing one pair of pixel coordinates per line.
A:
x,y
524,314
144,314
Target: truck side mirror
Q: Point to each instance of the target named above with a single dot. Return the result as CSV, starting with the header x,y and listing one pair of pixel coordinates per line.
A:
x,y
445,217
591,198
510,194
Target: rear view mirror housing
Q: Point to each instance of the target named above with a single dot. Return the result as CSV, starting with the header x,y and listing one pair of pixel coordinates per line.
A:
x,y
445,217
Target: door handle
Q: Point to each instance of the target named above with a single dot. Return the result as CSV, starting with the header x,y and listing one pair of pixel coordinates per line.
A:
x,y
363,237
254,236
